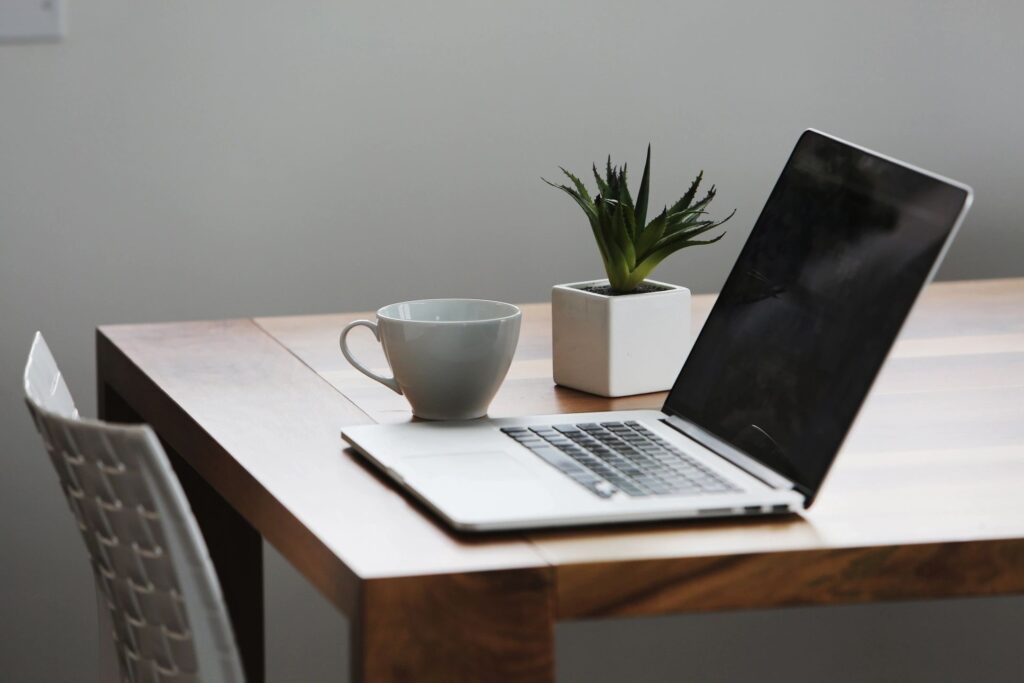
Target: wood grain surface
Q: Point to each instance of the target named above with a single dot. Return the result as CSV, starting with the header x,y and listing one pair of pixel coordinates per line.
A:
x,y
486,626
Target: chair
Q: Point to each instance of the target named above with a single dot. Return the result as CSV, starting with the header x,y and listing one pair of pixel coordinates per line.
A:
x,y
158,594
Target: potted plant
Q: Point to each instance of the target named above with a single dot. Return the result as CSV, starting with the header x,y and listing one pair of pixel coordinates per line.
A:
x,y
628,334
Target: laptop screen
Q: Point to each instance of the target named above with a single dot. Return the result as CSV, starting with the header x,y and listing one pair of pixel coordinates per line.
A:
x,y
807,316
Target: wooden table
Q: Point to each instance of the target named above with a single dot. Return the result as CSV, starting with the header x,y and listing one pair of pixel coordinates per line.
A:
x,y
925,501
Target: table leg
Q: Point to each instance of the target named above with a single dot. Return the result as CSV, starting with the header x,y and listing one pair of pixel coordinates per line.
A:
x,y
488,626
235,547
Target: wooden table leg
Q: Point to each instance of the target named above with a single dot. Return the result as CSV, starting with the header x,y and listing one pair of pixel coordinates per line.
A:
x,y
488,626
235,547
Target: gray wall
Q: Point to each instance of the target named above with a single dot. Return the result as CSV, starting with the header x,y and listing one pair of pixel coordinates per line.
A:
x,y
190,160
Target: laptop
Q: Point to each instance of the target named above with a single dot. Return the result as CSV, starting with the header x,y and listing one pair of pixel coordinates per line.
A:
x,y
845,243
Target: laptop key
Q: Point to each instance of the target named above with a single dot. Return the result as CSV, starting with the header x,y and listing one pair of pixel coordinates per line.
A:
x,y
557,459
634,490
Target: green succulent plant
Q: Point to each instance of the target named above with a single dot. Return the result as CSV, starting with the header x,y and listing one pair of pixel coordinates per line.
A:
x,y
630,247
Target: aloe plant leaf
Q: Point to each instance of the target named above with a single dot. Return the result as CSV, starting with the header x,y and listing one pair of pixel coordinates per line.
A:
x,y
580,187
611,180
647,266
684,216
616,269
626,210
640,212
606,227
691,221
731,214
602,186
684,237
585,203
684,201
624,194
694,243
676,245
706,199
617,185
590,209
652,233
624,240
690,228
687,233
677,222
626,201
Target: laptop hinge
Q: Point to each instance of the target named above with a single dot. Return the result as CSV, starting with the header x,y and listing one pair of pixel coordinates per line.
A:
x,y
733,455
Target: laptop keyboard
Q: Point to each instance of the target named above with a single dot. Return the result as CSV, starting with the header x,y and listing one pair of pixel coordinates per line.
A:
x,y
620,456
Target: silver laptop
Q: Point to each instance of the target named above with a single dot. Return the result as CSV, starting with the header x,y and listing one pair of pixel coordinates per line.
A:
x,y
841,250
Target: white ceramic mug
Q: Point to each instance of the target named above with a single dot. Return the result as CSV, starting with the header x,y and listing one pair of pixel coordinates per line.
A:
x,y
448,356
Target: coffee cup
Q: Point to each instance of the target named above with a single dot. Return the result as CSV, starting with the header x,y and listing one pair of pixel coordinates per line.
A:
x,y
447,356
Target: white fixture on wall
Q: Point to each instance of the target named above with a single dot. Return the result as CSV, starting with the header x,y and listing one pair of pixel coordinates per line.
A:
x,y
31,20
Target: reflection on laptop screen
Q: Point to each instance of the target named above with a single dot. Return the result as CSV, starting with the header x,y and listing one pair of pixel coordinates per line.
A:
x,y
813,304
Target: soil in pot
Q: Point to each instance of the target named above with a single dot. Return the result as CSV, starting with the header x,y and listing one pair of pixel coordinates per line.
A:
x,y
606,290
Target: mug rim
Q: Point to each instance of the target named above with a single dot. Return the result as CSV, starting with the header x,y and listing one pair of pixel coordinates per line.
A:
x,y
514,312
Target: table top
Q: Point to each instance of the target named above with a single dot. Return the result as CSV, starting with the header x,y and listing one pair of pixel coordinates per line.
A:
x,y
924,499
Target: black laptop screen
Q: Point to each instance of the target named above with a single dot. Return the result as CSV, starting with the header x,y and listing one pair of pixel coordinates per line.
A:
x,y
808,314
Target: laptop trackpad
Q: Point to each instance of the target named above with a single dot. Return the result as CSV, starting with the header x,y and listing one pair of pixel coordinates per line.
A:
x,y
474,486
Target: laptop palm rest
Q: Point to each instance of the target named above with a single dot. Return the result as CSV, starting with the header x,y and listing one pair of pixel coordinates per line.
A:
x,y
477,485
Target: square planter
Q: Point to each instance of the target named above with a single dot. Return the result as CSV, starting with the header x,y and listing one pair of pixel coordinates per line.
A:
x,y
619,345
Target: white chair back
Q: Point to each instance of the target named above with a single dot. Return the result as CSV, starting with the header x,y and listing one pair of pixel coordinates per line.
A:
x,y
152,568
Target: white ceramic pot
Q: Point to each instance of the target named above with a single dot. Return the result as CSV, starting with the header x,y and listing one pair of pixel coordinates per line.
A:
x,y
619,345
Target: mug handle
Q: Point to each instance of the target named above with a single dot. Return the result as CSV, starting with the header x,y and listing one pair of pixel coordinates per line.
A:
x,y
389,382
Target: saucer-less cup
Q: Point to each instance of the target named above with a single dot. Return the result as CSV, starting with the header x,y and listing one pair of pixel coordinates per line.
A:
x,y
448,356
